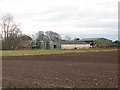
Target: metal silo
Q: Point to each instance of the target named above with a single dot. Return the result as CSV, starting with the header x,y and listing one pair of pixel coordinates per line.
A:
x,y
42,45
47,45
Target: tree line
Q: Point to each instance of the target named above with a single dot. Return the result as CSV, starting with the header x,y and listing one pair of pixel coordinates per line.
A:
x,y
11,35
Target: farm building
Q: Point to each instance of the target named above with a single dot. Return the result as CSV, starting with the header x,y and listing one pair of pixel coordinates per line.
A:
x,y
39,44
24,44
59,45
74,45
97,42
116,43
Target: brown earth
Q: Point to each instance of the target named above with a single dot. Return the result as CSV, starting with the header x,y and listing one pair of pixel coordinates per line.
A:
x,y
80,70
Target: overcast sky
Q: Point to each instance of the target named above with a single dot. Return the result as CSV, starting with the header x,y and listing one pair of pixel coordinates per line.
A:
x,y
76,18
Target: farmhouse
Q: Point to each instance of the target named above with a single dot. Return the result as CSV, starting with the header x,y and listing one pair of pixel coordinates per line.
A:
x,y
97,42
74,45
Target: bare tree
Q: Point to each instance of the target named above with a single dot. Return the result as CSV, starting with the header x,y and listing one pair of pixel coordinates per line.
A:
x,y
0,35
53,36
7,25
40,35
67,37
10,32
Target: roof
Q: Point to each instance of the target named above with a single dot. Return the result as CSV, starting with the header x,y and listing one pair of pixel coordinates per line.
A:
x,y
73,42
89,39
25,43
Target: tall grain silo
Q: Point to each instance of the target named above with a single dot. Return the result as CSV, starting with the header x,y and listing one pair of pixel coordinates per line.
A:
x,y
49,45
41,44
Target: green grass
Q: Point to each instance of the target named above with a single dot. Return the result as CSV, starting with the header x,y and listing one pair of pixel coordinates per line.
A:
x,y
45,52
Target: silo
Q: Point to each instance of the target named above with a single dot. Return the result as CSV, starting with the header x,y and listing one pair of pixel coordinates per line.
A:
x,y
47,45
38,41
42,45
51,44
34,44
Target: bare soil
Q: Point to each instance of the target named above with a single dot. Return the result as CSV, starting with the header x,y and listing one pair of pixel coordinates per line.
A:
x,y
75,70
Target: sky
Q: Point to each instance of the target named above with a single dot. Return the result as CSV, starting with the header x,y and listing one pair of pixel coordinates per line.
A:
x,y
74,18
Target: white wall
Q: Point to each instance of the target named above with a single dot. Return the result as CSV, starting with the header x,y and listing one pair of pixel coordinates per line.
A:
x,y
73,46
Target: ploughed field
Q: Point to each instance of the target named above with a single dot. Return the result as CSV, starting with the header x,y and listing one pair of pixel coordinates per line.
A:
x,y
73,70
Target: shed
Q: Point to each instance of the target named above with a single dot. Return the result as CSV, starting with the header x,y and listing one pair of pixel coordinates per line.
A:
x,y
57,44
97,42
74,45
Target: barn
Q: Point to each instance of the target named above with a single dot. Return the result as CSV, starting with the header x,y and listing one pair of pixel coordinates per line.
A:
x,y
97,42
74,45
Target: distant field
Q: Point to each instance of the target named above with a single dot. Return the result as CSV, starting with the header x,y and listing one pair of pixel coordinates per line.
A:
x,y
44,52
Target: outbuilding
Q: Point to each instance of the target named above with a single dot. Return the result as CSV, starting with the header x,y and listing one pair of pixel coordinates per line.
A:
x,y
74,45
97,42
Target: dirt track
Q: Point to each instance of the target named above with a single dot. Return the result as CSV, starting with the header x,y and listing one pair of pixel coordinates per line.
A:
x,y
82,70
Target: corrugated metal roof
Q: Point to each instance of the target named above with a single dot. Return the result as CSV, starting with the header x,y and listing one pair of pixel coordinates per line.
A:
x,y
89,39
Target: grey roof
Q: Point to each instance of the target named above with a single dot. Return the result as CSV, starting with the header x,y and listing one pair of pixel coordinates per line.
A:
x,y
89,39
73,42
